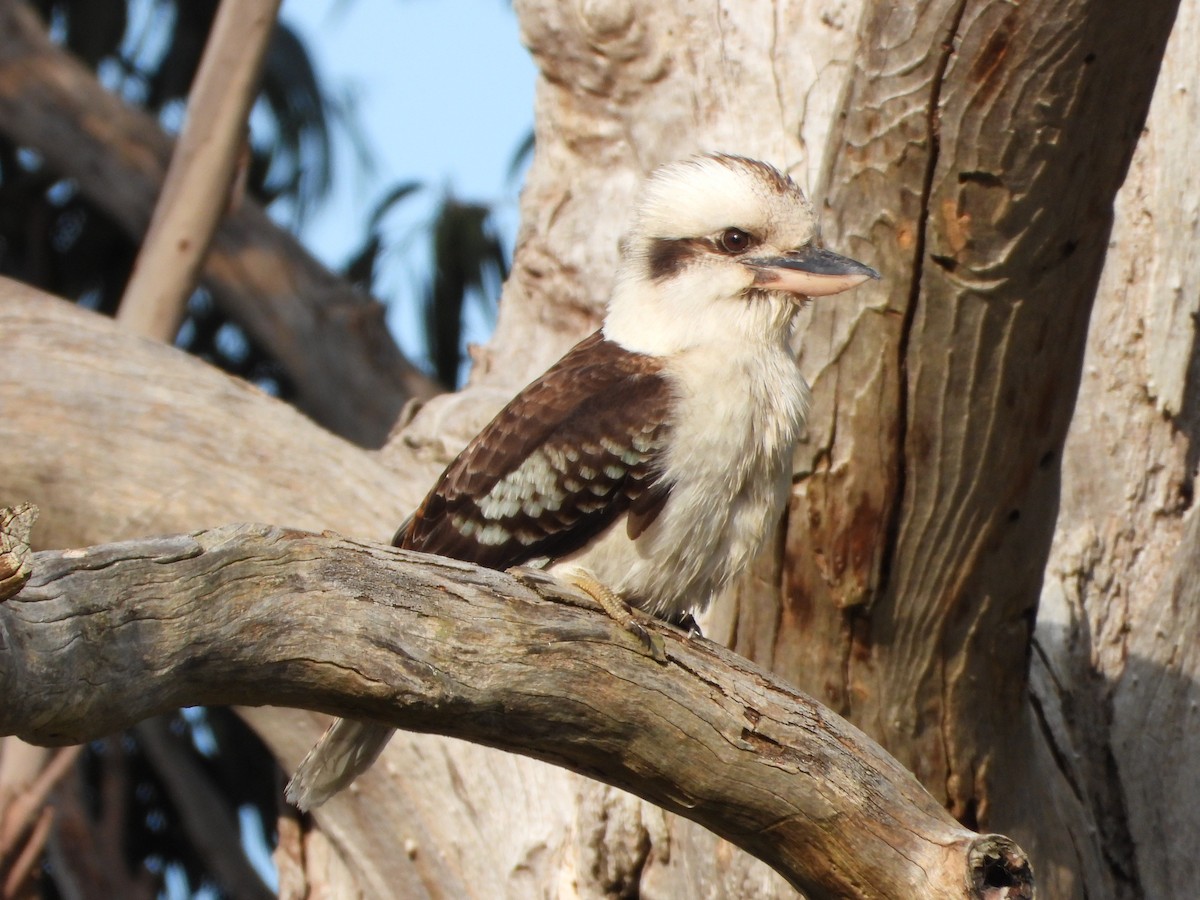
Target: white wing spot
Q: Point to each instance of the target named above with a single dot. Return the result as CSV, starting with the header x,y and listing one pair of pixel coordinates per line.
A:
x,y
532,488
493,535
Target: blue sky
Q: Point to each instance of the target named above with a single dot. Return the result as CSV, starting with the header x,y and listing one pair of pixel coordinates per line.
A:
x,y
444,95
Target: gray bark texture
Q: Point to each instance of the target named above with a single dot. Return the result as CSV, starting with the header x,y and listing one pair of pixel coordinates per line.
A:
x,y
987,563
103,638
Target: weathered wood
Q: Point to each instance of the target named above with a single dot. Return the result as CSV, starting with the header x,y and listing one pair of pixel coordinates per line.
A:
x,y
116,436
624,87
330,338
16,523
994,137
105,636
1115,654
197,188
1128,472
982,149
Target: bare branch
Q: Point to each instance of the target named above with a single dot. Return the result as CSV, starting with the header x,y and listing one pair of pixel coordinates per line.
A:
x,y
25,817
331,339
145,439
196,190
103,637
204,815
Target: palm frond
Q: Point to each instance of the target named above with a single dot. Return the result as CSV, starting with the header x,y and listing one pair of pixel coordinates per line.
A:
x,y
363,266
468,260
302,157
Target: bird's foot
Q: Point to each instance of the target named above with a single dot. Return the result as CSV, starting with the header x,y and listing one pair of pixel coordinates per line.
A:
x,y
620,612
612,604
687,624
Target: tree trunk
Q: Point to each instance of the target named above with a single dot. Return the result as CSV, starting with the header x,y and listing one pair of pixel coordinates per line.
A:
x,y
981,160
975,163
977,454
1115,664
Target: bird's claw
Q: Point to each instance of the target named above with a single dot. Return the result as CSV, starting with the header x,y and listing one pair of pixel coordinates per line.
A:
x,y
687,624
612,604
653,644
619,611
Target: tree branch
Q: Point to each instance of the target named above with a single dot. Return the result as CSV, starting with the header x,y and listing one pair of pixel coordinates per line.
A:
x,y
196,190
103,637
204,814
27,775
145,439
331,339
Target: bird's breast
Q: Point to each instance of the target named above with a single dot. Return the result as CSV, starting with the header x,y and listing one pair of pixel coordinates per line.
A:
x,y
733,425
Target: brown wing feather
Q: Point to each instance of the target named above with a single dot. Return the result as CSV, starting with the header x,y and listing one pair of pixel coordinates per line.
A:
x,y
560,462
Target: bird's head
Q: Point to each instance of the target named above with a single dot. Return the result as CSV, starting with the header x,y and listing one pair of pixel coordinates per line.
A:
x,y
722,247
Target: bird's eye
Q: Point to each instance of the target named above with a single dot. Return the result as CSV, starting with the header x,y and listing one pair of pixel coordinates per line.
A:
x,y
734,240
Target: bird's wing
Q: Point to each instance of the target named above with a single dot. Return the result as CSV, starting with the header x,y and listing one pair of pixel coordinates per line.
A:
x,y
560,462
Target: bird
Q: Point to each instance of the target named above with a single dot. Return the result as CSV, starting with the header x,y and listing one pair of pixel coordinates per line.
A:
x,y
647,466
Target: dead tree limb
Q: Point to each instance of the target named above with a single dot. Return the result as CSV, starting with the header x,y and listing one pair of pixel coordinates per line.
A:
x,y
331,339
103,637
196,190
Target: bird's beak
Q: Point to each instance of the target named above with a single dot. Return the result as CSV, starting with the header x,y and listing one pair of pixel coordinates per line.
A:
x,y
809,272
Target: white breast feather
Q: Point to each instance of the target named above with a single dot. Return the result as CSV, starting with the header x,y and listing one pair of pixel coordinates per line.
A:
x,y
729,464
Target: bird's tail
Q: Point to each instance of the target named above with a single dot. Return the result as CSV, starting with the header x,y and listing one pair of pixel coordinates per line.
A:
x,y
345,751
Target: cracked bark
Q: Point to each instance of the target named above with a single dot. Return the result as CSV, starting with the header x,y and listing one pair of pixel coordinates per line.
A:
x,y
982,171
624,88
104,637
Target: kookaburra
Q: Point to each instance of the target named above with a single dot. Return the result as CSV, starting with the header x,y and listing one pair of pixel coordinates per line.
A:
x,y
649,464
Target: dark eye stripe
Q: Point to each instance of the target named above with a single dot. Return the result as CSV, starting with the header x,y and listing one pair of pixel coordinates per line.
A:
x,y
668,256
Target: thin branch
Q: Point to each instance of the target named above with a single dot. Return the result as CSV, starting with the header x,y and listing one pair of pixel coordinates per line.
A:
x,y
196,191
331,339
22,809
106,636
206,818
18,875
25,816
